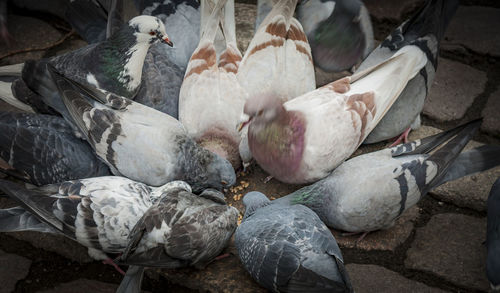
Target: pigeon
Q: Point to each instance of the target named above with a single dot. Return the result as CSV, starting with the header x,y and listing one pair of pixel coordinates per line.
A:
x,y
114,65
278,59
42,149
139,142
393,180
182,20
9,74
423,31
304,139
213,85
493,236
161,78
339,31
289,249
167,226
277,62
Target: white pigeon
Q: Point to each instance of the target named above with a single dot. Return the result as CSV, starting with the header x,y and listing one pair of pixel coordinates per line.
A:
x,y
278,60
211,98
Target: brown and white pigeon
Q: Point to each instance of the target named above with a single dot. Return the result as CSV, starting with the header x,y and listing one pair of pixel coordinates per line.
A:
x,y
211,99
304,139
278,61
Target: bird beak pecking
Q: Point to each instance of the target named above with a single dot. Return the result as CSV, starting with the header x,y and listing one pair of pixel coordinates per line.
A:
x,y
167,41
244,122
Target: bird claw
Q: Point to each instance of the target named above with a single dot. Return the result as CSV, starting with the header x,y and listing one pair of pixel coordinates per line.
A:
x,y
403,137
267,179
109,261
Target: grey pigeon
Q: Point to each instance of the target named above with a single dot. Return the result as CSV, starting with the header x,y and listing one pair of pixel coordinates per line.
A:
x,y
423,31
42,149
213,85
182,20
114,65
371,191
493,237
289,249
161,78
167,226
339,32
139,142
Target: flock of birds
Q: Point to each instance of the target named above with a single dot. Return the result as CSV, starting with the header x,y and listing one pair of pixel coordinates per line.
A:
x,y
128,142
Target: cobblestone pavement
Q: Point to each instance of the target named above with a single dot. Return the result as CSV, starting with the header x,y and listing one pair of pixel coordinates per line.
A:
x,y
436,246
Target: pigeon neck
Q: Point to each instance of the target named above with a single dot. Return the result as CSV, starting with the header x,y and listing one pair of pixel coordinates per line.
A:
x,y
123,57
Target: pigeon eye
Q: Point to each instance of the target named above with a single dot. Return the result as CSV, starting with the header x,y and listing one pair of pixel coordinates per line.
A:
x,y
152,33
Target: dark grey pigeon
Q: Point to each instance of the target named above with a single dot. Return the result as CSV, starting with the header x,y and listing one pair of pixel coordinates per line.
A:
x,y
140,142
161,78
167,226
493,237
114,65
371,191
425,31
42,149
289,249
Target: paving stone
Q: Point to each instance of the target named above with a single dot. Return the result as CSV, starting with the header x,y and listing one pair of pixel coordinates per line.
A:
x,y
372,278
391,9
453,91
55,243
83,286
456,257
20,27
388,239
476,28
491,114
226,275
13,268
245,15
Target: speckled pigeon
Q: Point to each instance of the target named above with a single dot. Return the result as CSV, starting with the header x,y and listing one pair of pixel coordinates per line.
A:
x,y
339,32
289,249
211,99
423,31
114,65
42,149
371,191
304,139
493,236
167,226
140,142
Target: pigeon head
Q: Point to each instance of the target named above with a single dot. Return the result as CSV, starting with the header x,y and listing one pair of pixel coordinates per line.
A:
x,y
213,172
253,201
149,29
262,109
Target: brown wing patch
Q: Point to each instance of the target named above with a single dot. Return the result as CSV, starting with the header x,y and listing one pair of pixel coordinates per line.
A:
x,y
362,106
340,86
273,43
304,51
230,60
296,34
276,29
206,54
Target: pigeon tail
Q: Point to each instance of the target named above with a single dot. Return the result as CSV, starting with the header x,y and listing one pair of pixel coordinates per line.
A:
x,y
18,219
132,280
211,27
286,8
37,203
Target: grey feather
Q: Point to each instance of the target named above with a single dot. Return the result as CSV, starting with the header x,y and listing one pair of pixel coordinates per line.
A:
x,y
424,30
390,181
132,280
289,249
18,219
493,236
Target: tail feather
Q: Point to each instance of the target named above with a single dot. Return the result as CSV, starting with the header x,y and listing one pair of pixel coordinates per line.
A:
x,y
37,203
282,7
7,95
446,155
132,280
471,162
12,70
18,219
211,27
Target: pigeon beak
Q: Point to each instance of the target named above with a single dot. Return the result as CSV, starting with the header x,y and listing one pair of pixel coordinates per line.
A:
x,y
167,41
244,122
